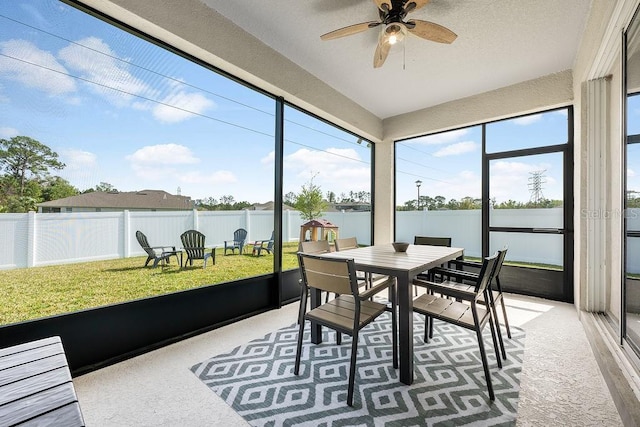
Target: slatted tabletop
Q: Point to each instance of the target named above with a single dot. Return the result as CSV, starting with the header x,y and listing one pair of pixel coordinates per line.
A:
x,y
404,266
36,386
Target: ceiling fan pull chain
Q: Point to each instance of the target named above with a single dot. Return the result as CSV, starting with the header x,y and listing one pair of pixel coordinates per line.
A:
x,y
404,55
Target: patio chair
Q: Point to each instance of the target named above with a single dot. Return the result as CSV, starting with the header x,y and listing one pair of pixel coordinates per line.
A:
x,y
193,245
495,288
348,313
259,245
352,243
431,241
156,253
317,247
239,237
460,305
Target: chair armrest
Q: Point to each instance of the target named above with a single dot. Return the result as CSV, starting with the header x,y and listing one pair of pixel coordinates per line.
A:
x,y
452,289
377,288
452,272
173,248
462,263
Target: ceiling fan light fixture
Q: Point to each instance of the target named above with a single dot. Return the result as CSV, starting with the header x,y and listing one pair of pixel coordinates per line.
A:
x,y
394,32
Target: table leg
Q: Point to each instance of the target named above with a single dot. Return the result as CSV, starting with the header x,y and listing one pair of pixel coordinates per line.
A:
x,y
405,328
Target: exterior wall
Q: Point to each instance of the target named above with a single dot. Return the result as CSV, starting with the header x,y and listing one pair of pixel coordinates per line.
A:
x,y
599,57
534,95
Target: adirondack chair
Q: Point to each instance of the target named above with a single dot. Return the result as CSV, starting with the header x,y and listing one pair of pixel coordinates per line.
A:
x,y
193,245
156,253
259,245
239,237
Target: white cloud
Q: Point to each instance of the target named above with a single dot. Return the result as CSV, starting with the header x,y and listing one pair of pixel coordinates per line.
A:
x,y
162,154
269,158
217,177
338,170
510,180
456,149
82,169
7,132
527,120
34,68
181,106
439,138
94,61
78,159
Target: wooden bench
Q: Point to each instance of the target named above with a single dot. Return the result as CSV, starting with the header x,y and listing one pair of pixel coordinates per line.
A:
x,y
36,386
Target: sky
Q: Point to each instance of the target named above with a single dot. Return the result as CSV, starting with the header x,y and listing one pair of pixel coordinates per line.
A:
x,y
449,164
121,110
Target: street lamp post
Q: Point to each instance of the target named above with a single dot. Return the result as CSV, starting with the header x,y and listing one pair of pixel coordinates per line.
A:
x,y
418,184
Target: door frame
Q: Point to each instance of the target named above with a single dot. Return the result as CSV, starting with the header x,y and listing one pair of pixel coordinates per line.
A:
x,y
567,294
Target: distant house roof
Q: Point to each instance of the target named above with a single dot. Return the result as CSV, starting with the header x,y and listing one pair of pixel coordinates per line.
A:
x,y
145,199
348,207
269,207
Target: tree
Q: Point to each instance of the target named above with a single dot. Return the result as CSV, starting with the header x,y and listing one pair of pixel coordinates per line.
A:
x,y
21,156
309,202
58,188
106,187
289,198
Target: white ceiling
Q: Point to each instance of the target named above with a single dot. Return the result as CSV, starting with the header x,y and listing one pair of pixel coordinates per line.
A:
x,y
500,42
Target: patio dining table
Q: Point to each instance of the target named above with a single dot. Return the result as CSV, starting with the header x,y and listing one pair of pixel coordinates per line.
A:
x,y
404,266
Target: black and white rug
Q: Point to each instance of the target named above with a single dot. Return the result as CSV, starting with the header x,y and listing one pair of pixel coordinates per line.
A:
x,y
257,380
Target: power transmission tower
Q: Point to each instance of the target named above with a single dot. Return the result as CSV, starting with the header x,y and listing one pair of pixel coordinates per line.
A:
x,y
535,185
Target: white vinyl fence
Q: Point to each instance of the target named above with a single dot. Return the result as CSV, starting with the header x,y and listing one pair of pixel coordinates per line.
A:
x,y
57,238
38,239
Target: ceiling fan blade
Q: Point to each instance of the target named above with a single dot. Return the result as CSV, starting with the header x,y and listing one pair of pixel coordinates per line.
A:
x,y
383,5
412,5
431,31
382,50
351,29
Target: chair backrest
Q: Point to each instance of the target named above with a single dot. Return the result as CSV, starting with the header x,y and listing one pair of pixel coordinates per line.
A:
x,y
271,240
315,247
193,243
346,243
142,239
486,273
328,274
502,254
432,241
239,235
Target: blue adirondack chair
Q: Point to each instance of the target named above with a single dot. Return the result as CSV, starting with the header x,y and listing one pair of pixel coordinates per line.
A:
x,y
263,245
239,237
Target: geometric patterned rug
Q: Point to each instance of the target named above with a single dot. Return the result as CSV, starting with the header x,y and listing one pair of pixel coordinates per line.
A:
x,y
449,389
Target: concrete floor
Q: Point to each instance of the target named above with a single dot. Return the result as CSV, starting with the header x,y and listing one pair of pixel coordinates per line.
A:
x,y
561,383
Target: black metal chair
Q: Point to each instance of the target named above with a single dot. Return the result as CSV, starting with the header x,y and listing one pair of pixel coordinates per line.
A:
x,y
157,254
193,245
431,241
460,305
495,295
348,313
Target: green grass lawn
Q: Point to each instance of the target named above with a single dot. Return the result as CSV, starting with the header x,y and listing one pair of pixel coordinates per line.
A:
x,y
30,293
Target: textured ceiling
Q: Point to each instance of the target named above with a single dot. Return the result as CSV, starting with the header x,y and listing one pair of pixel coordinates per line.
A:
x,y
500,42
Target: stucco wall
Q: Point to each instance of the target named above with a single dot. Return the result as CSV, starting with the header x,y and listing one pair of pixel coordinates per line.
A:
x,y
534,95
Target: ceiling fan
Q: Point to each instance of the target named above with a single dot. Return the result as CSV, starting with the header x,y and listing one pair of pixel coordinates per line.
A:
x,y
392,16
